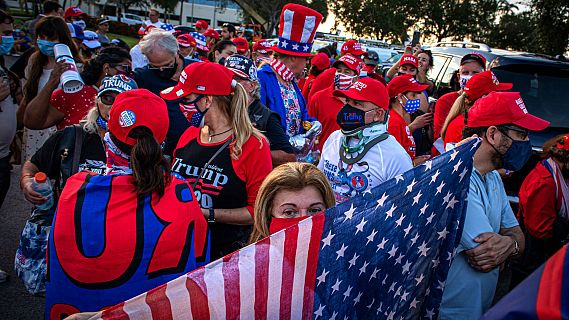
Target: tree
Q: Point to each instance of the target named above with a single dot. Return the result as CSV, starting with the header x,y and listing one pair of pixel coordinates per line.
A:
x,y
381,19
270,10
123,5
552,25
514,31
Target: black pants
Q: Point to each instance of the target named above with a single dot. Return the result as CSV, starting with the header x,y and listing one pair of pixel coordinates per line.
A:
x,y
5,168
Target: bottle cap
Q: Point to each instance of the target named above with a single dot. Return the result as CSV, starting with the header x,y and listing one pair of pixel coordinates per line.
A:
x,y
40,177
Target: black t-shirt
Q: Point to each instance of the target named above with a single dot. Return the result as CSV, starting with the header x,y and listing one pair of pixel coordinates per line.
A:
x,y
148,79
56,155
269,123
422,136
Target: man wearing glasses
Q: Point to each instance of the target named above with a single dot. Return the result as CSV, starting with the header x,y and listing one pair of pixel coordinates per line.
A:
x,y
165,63
491,233
102,29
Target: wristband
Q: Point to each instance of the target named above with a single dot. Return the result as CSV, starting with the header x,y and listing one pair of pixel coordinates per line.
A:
x,y
211,217
22,179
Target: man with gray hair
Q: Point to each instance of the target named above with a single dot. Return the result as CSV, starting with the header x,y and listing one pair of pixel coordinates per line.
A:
x,y
267,121
163,71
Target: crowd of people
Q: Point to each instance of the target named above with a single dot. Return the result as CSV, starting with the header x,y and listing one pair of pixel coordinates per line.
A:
x,y
262,136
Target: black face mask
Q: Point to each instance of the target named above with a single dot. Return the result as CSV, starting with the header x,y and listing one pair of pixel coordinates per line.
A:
x,y
350,118
167,73
221,61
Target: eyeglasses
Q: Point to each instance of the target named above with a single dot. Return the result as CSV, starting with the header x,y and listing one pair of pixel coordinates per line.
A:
x,y
524,133
126,68
107,99
170,66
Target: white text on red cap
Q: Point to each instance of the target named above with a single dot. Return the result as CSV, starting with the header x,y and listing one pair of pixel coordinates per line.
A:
x,y
359,86
522,105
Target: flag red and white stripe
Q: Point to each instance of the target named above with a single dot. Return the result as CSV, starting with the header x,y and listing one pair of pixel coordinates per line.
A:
x,y
275,276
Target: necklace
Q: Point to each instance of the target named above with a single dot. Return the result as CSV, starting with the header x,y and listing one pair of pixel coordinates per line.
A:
x,y
217,134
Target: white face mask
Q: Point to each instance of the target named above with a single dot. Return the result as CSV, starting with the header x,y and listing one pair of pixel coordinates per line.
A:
x,y
81,24
464,80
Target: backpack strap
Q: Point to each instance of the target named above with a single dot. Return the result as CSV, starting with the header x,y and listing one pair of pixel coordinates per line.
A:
x,y
77,149
367,146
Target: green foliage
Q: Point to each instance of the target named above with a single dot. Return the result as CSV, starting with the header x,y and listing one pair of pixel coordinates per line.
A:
x,y
168,5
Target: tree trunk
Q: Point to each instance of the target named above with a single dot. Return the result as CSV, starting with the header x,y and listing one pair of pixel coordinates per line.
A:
x,y
181,12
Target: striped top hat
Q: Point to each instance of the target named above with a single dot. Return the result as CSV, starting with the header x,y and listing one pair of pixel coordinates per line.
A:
x,y
297,27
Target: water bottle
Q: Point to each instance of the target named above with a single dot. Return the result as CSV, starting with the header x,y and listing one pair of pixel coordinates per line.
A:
x,y
70,80
42,186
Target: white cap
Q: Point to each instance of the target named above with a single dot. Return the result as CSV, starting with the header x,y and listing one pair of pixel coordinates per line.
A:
x,y
91,40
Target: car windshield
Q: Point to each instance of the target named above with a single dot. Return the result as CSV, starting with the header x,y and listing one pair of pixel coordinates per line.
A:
x,y
544,90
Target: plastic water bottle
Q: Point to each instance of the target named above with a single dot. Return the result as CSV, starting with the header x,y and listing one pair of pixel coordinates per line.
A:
x,y
42,186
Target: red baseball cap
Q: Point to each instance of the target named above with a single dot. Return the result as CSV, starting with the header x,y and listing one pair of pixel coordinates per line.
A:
x,y
474,56
404,83
211,33
320,61
263,46
73,12
409,59
242,45
366,89
201,24
350,61
197,78
186,40
483,83
352,47
138,108
503,108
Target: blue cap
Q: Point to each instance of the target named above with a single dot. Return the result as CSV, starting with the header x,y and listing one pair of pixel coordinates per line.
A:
x,y
117,83
76,31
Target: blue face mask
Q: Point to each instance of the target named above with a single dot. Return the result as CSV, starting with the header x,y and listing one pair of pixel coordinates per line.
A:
x,y
195,117
516,157
6,45
102,123
46,47
411,105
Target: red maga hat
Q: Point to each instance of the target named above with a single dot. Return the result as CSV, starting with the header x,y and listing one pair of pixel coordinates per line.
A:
x,y
263,46
211,33
297,28
138,108
503,108
201,24
186,40
73,12
404,83
242,45
366,89
409,59
197,78
352,47
320,61
482,84
351,62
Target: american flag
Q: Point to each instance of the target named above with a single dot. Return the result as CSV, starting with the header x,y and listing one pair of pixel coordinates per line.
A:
x,y
383,254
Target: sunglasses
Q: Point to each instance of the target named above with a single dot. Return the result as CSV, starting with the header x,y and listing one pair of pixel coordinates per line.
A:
x,y
122,67
107,99
170,66
524,133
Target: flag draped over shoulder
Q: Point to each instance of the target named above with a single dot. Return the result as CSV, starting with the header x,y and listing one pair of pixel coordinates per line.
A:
x,y
543,295
108,243
384,254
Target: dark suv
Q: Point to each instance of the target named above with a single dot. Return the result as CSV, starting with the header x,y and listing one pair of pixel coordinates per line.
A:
x,y
542,81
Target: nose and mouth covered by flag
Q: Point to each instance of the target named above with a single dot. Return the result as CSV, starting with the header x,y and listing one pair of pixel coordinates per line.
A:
x,y
383,254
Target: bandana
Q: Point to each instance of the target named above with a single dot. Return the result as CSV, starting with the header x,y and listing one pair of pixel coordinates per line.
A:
x,y
118,162
282,70
261,59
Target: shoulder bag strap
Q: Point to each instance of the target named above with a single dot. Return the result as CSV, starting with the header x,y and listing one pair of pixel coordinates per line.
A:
x,y
209,161
77,148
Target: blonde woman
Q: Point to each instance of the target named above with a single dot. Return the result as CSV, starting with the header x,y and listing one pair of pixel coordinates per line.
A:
x,y
290,193
222,155
477,87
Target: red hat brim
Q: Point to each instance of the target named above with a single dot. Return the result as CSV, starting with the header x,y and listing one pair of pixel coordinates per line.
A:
x,y
174,93
292,53
353,94
531,123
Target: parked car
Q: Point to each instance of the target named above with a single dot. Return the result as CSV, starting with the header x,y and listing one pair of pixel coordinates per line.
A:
x,y
128,18
543,82
387,64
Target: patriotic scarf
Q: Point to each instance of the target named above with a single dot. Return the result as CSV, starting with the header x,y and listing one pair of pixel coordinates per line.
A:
x,y
282,70
118,162
560,184
261,59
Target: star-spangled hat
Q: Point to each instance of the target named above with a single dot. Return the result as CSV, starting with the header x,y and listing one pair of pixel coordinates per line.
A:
x,y
297,27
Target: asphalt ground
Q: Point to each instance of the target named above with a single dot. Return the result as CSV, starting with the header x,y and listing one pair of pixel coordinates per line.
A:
x,y
15,301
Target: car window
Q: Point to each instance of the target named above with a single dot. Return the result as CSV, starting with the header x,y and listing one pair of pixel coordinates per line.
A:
x,y
451,69
439,65
544,90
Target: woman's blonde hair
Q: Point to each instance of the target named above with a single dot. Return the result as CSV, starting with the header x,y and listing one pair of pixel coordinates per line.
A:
x,y
234,106
288,176
460,106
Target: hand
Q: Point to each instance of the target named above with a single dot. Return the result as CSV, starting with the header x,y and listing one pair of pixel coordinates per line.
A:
x,y
59,68
30,194
421,121
421,159
408,49
493,250
416,49
4,89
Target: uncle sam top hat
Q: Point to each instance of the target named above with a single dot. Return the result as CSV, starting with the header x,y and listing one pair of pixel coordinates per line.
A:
x,y
297,27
